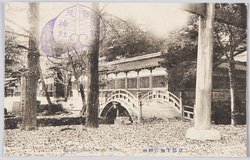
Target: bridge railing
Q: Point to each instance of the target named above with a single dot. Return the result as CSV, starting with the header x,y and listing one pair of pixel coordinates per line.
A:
x,y
188,112
123,94
165,95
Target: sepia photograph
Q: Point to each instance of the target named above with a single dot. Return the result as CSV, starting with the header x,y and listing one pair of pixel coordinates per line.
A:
x,y
125,79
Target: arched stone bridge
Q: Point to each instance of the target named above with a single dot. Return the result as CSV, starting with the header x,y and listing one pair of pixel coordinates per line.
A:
x,y
125,99
129,103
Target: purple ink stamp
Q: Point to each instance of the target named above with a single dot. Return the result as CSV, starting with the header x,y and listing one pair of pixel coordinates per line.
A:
x,y
71,31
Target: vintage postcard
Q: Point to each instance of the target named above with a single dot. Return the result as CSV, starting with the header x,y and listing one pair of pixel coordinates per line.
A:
x,y
125,79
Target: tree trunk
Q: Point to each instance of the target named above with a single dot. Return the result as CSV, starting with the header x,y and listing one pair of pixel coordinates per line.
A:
x,y
30,78
67,89
83,110
54,88
233,90
45,89
84,107
92,73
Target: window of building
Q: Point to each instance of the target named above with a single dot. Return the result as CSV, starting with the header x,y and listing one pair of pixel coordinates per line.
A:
x,y
132,82
120,83
159,81
144,82
111,84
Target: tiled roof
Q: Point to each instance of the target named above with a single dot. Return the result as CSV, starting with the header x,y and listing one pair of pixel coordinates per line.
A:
x,y
139,62
148,61
137,58
238,66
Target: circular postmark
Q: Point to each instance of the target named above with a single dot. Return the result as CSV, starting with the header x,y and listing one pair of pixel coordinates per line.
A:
x,y
73,29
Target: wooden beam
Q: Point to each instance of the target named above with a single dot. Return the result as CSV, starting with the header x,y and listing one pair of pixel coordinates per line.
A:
x,y
220,14
195,8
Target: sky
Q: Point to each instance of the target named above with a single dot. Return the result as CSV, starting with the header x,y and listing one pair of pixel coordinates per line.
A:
x,y
160,18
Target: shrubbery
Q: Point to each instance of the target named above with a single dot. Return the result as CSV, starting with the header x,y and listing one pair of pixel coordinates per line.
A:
x,y
45,109
221,113
15,122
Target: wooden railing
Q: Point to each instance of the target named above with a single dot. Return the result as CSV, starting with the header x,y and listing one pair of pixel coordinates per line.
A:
x,y
123,94
188,112
125,98
164,95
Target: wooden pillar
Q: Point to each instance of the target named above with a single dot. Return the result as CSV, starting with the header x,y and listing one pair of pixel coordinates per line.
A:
x,y
115,80
167,77
106,96
139,96
204,70
116,108
117,112
138,80
202,116
181,105
126,81
151,79
107,76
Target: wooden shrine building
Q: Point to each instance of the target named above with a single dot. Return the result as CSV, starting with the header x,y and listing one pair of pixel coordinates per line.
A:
x,y
141,73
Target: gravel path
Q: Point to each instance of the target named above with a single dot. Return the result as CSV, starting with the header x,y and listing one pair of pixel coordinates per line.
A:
x,y
158,137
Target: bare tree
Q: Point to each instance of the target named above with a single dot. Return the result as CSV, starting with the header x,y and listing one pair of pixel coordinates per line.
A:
x,y
45,90
31,76
92,73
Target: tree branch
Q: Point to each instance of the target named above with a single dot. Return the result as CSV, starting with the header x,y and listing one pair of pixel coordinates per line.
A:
x,y
216,64
23,35
112,27
26,30
124,21
103,8
23,47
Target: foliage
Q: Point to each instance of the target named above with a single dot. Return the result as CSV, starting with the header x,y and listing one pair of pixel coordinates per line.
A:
x,y
63,68
230,38
14,123
221,113
127,39
229,41
180,55
181,51
13,56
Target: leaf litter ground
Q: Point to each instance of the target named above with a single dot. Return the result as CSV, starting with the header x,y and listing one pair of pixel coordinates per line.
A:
x,y
154,137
